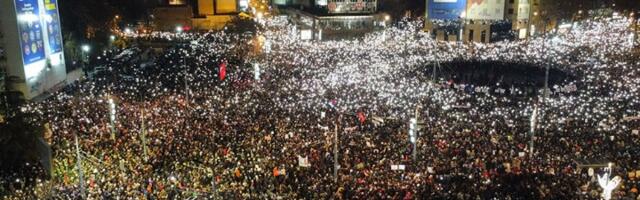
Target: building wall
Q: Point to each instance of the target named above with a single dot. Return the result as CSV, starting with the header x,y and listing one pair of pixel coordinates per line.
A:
x,y
205,7
511,10
39,76
474,32
209,22
3,64
226,6
167,18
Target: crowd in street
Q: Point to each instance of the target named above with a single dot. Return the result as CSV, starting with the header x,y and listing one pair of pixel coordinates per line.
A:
x,y
230,116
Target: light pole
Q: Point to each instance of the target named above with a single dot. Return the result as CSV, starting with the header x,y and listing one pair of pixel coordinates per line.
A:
x,y
545,92
387,18
335,151
143,135
85,49
413,132
634,20
112,118
79,166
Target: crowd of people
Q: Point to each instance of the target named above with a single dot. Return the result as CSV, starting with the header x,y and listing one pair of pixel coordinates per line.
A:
x,y
230,116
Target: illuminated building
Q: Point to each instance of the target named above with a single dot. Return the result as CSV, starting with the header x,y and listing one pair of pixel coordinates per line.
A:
x,y
326,19
32,39
478,21
200,14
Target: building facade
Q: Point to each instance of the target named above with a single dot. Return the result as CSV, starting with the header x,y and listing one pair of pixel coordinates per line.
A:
x,y
33,49
198,15
332,19
479,21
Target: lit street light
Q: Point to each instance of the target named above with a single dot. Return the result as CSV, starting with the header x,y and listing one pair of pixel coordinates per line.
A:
x,y
85,54
86,48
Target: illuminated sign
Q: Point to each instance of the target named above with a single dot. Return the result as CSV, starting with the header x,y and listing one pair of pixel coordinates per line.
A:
x,y
446,9
30,31
52,21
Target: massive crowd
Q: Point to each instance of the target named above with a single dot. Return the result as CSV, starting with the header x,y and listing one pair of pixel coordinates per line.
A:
x,y
234,117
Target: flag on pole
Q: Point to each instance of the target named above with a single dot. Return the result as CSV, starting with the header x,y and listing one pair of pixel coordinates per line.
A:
x,y
276,172
222,73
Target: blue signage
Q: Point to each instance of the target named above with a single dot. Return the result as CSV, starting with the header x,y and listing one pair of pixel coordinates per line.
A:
x,y
52,20
446,9
30,30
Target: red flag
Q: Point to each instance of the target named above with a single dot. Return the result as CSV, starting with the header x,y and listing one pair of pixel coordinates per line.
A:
x,y
223,71
361,117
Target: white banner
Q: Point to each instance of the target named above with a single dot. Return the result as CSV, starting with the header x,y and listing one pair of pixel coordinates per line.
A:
x,y
485,9
303,161
398,167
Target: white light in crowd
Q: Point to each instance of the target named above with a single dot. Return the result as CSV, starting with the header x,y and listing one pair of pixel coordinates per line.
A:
x,y
179,29
112,38
128,30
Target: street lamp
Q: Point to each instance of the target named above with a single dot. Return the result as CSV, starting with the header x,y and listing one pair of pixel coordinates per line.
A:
x,y
86,48
85,54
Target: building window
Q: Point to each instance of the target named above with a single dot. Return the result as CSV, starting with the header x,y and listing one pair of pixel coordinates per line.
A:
x,y
511,11
471,35
511,1
483,36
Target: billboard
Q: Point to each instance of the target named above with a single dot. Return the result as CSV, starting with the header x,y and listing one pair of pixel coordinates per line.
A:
x,y
446,9
30,31
523,9
52,21
34,37
485,9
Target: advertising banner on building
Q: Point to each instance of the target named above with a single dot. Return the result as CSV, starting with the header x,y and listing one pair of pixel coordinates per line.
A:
x,y
446,9
30,31
485,9
523,9
52,20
